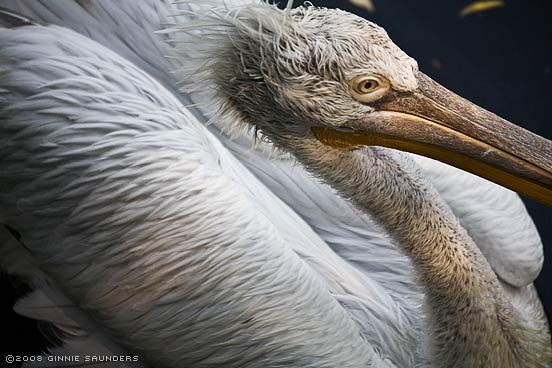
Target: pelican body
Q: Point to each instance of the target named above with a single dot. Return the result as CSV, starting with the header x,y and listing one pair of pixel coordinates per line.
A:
x,y
151,222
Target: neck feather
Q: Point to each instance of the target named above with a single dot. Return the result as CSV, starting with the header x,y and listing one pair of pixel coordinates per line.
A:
x,y
472,320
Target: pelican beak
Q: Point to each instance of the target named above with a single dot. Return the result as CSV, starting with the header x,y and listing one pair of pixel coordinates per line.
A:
x,y
434,122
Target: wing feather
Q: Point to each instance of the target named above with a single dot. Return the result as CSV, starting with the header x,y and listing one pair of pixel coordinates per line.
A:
x,y
149,224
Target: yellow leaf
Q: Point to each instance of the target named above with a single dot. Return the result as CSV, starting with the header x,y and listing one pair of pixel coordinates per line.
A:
x,y
480,6
365,4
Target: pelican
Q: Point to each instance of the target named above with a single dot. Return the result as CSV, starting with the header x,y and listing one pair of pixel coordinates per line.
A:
x,y
145,231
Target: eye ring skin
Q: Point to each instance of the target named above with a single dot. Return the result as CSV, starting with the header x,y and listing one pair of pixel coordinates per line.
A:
x,y
363,95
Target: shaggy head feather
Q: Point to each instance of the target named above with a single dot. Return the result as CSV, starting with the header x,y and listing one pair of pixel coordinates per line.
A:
x,y
285,71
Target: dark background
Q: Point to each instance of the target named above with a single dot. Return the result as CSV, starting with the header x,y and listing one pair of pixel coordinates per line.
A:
x,y
500,59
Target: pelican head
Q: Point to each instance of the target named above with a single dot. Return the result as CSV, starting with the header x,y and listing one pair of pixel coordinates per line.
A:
x,y
325,74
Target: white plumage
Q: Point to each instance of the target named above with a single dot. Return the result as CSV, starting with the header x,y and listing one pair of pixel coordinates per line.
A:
x,y
186,245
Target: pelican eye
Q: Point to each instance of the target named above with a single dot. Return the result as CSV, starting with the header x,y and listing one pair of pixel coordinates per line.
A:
x,y
368,88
